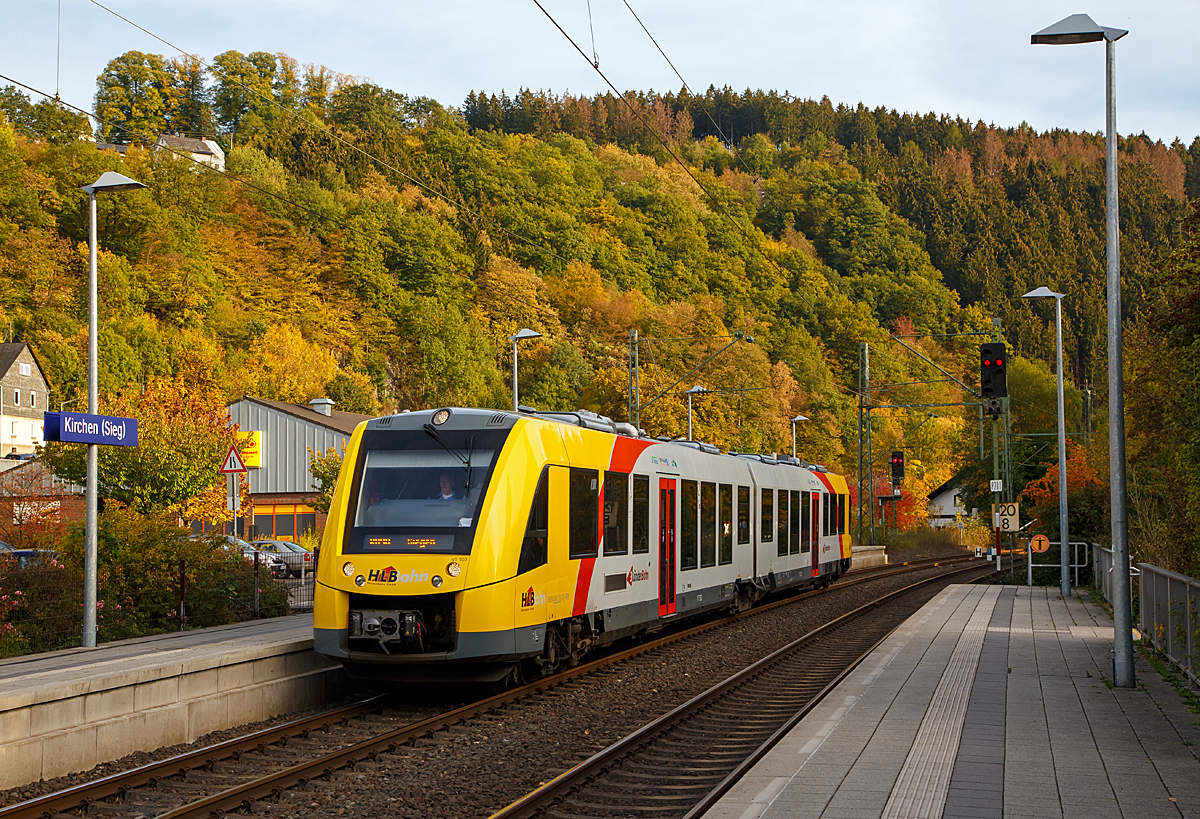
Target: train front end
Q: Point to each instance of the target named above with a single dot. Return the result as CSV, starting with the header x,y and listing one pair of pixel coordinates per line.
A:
x,y
413,579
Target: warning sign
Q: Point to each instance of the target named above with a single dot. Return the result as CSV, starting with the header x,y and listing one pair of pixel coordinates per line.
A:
x,y
233,462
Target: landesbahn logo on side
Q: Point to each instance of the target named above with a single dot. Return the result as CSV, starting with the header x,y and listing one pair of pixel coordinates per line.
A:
x,y
390,575
637,574
530,598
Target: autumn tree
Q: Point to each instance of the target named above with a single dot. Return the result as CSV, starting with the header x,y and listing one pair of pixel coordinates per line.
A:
x,y
184,432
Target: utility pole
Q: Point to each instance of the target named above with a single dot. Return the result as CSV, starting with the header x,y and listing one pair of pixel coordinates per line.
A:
x,y
997,496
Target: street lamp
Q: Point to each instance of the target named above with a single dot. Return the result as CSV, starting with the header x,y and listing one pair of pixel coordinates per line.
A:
x,y
1079,28
109,182
520,336
794,422
696,390
1063,538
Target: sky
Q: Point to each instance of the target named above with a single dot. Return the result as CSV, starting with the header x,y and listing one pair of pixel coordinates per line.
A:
x,y
955,57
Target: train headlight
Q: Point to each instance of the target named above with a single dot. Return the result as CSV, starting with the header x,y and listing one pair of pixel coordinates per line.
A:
x,y
360,581
454,569
348,568
437,581
440,417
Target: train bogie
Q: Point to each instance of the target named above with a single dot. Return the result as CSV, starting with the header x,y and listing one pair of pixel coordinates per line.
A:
x,y
467,544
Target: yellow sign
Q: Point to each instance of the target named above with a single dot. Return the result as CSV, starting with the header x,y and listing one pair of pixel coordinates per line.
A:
x,y
252,452
1040,543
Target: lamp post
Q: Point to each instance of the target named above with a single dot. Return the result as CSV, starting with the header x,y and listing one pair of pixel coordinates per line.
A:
x,y
696,390
1079,28
520,336
1063,537
111,182
795,420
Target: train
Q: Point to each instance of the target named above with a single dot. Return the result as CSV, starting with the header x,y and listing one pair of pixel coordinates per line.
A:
x,y
477,545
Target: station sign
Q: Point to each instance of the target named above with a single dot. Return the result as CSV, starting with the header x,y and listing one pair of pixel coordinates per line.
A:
x,y
83,428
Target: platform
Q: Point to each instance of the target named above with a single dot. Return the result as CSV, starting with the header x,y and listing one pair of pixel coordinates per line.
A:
x,y
69,710
991,701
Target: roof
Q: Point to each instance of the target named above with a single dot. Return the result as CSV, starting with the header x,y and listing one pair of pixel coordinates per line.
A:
x,y
336,420
954,482
9,353
195,146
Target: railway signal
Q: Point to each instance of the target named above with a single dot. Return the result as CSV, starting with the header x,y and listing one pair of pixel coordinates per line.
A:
x,y
993,370
897,467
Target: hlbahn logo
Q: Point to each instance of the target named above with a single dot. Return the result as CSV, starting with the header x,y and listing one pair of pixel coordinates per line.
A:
x,y
637,574
390,575
530,598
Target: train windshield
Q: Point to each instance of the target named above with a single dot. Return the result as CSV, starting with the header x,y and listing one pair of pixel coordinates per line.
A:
x,y
415,493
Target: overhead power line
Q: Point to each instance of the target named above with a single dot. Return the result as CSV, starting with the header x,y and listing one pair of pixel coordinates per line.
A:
x,y
333,135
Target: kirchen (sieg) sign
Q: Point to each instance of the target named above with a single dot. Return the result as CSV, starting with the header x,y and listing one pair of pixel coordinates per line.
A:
x,y
82,428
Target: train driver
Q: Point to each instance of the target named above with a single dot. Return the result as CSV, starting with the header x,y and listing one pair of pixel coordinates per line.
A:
x,y
446,488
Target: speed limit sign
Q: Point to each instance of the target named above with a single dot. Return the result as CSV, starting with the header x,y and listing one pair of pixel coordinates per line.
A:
x,y
1007,517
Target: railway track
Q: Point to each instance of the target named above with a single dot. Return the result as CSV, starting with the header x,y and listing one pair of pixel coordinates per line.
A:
x,y
683,762
232,774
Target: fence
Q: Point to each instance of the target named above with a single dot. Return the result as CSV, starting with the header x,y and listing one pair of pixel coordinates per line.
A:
x,y
1169,604
41,599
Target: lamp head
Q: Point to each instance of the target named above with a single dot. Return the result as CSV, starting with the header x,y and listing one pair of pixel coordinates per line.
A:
x,y
112,182
800,418
1042,293
1078,28
524,334
696,390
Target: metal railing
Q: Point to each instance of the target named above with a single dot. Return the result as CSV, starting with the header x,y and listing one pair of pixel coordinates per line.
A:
x,y
1170,618
41,599
1075,563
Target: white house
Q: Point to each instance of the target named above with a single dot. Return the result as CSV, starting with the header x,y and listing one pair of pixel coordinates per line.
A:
x,y
945,502
24,396
204,151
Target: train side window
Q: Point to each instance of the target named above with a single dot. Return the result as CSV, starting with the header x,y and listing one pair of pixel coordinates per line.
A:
x,y
767,515
688,508
641,514
533,547
584,512
826,516
708,525
798,545
616,513
782,528
743,514
725,517
805,521
843,518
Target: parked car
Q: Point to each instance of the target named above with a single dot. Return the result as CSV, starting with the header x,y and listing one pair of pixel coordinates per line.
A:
x,y
21,557
298,559
273,563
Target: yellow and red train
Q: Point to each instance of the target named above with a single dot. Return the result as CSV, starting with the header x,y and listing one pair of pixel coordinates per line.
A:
x,y
474,544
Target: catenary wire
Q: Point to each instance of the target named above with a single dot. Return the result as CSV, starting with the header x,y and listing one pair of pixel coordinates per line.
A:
x,y
330,133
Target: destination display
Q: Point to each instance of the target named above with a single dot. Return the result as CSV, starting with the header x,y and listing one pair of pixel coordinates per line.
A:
x,y
82,428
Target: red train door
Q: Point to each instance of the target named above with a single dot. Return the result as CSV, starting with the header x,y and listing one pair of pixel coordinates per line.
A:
x,y
816,533
666,546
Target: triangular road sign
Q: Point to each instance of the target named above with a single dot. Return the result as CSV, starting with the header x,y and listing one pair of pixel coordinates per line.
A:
x,y
233,462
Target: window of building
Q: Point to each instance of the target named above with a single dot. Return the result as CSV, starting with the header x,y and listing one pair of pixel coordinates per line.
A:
x,y
283,521
33,398
584,505
641,514
725,533
16,398
708,525
616,513
688,530
767,514
25,369
533,548
782,528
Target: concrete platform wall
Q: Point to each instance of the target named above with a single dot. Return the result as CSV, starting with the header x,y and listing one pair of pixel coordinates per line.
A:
x,y
868,557
59,728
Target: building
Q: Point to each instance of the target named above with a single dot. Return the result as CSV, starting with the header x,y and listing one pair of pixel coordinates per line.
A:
x,y
945,503
32,495
203,151
281,485
24,396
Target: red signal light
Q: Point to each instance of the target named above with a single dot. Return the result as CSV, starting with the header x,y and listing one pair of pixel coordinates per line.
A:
x,y
999,362
987,362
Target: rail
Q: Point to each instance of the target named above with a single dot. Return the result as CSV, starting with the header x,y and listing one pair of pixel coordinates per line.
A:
x,y
1169,618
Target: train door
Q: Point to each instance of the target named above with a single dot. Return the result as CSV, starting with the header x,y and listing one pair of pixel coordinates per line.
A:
x,y
816,532
666,546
